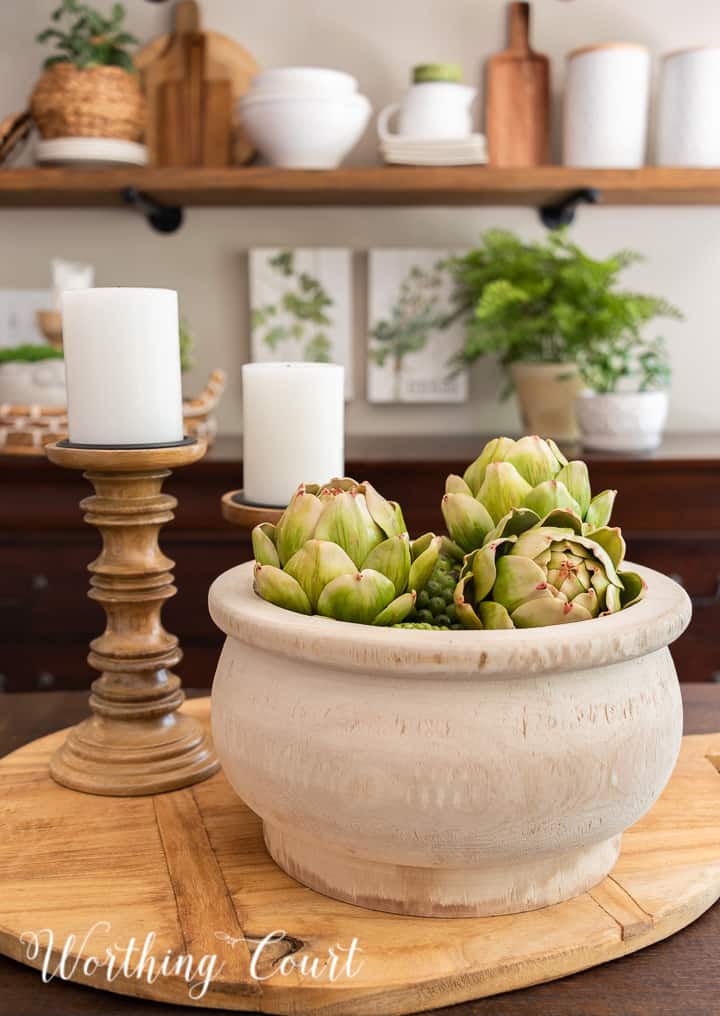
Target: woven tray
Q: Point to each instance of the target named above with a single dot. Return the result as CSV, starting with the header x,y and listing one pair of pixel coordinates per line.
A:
x,y
25,430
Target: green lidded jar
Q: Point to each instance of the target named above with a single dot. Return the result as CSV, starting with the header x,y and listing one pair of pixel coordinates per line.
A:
x,y
437,72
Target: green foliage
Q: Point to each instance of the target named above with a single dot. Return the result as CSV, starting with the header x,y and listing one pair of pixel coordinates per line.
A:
x,y
548,302
91,39
187,347
29,354
626,362
416,313
302,315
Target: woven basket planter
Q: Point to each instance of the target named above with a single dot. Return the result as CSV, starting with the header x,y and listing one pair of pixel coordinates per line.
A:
x,y
97,102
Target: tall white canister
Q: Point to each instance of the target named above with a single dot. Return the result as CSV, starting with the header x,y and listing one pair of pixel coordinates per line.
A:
x,y
688,109
607,90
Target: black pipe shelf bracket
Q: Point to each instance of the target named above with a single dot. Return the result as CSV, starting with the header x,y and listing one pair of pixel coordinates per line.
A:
x,y
161,218
562,213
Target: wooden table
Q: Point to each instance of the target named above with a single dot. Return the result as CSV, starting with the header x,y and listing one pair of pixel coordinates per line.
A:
x,y
679,975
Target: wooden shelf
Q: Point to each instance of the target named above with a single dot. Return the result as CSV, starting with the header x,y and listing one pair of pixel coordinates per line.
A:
x,y
375,185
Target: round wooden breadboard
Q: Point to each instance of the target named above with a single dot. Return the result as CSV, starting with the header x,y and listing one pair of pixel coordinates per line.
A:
x,y
191,867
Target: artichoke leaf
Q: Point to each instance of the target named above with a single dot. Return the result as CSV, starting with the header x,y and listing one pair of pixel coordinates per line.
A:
x,y
467,520
503,488
494,451
534,460
634,588
396,611
550,610
456,485
392,558
276,586
494,615
600,509
359,597
575,477
297,523
316,564
423,566
518,580
263,544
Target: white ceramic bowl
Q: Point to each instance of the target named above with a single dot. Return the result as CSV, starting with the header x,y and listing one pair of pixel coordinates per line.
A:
x,y
33,384
301,81
622,421
310,132
446,773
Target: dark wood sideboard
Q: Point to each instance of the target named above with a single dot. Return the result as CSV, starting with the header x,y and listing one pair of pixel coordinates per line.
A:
x,y
669,508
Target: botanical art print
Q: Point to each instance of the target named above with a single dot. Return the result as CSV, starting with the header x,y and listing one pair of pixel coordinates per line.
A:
x,y
413,334
300,306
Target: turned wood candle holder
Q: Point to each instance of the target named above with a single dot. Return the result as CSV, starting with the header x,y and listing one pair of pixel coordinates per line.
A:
x,y
236,509
136,742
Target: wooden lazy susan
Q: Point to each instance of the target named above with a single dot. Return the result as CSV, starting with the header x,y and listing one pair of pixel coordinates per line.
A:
x,y
188,872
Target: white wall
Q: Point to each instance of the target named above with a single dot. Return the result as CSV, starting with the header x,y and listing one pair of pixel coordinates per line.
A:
x,y
378,40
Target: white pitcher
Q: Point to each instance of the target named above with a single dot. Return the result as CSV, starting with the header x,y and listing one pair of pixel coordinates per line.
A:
x,y
430,109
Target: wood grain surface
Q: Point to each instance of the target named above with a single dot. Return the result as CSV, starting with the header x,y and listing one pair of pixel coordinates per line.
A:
x,y
189,864
361,186
227,71
135,741
517,106
677,975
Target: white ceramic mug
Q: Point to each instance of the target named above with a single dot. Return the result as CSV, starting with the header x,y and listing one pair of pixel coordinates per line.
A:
x,y
430,109
606,106
688,111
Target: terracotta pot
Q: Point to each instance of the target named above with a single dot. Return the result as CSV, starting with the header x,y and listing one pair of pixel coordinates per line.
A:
x,y
446,773
547,393
622,421
98,102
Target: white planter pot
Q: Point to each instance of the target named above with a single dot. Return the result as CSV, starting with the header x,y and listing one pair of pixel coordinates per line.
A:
x,y
622,421
33,384
605,112
688,114
446,773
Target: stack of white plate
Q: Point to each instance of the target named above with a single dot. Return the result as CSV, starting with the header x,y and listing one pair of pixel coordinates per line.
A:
x,y
91,152
467,151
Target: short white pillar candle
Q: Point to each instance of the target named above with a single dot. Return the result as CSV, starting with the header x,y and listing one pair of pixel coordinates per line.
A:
x,y
293,428
122,366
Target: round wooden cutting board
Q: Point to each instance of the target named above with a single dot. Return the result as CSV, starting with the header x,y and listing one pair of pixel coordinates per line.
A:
x,y
191,869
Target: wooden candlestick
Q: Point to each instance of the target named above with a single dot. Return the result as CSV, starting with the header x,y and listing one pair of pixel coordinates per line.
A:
x,y
243,513
136,742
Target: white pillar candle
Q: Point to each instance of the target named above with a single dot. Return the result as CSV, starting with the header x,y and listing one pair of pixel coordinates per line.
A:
x,y
122,366
293,428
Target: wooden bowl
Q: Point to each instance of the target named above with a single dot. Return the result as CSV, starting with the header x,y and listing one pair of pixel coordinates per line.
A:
x,y
447,773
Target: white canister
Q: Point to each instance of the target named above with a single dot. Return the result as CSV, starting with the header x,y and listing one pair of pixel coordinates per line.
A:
x,y
606,106
688,111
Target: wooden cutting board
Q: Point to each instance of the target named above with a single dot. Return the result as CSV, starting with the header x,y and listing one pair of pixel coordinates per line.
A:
x,y
191,867
168,58
517,103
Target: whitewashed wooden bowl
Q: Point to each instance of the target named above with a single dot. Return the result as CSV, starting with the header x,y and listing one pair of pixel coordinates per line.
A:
x,y
446,774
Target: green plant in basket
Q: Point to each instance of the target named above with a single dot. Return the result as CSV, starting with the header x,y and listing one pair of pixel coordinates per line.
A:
x,y
528,545
88,38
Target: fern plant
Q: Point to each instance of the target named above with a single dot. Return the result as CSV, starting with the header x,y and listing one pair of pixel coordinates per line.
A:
x,y
91,39
549,302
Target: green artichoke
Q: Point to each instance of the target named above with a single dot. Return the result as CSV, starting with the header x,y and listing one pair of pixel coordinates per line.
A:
x,y
531,575
342,550
530,474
